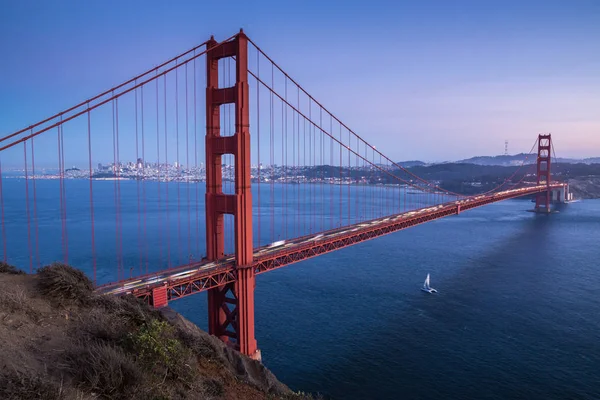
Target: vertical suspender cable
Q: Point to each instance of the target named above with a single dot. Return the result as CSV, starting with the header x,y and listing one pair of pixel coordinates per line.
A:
x,y
322,141
35,218
120,222
144,232
159,170
4,253
306,215
187,164
178,168
93,232
137,181
60,188
300,232
340,183
64,188
331,181
115,168
258,143
272,166
356,183
311,164
167,175
284,123
196,169
349,179
364,187
29,247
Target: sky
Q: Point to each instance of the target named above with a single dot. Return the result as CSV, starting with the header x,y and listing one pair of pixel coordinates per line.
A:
x,y
429,80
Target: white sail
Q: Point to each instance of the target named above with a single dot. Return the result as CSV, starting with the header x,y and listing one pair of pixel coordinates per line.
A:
x,y
426,284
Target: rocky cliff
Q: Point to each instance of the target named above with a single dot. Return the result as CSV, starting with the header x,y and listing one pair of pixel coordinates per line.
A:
x,y
587,187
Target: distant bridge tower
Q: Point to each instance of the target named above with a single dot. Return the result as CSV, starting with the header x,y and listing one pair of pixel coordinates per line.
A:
x,y
230,307
542,201
506,147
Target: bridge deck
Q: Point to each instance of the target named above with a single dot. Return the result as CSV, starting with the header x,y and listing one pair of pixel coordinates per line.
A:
x,y
201,276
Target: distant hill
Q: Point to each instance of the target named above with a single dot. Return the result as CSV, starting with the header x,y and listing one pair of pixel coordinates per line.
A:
x,y
591,160
505,161
517,159
501,161
410,164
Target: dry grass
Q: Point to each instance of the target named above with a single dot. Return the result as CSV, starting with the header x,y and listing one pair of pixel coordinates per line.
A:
x,y
25,386
130,308
13,301
16,300
213,388
64,283
201,346
9,269
98,325
104,369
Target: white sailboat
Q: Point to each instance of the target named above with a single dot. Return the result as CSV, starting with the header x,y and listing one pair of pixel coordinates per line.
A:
x,y
426,287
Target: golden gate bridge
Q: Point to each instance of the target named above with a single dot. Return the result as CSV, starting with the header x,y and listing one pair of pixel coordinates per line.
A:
x,y
225,91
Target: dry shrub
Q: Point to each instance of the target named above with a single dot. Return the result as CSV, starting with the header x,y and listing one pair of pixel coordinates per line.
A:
x,y
202,345
13,301
98,325
63,282
25,386
213,388
9,269
130,308
16,300
106,370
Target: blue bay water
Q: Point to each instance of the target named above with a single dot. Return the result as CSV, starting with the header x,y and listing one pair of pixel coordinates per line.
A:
x,y
516,315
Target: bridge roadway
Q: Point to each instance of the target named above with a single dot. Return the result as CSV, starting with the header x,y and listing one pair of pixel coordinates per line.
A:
x,y
200,276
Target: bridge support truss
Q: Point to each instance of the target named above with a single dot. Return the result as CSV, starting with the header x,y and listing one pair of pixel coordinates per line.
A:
x,y
230,307
542,200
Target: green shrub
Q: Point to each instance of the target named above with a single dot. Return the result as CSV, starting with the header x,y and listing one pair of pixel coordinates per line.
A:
x,y
155,341
157,348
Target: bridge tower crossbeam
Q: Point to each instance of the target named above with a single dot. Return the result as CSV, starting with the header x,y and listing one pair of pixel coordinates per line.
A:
x,y
231,307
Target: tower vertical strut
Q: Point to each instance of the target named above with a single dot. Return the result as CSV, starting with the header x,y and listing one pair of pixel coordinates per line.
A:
x,y
542,200
231,307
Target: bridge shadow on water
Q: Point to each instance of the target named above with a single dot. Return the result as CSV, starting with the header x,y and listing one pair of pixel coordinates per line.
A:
x,y
493,331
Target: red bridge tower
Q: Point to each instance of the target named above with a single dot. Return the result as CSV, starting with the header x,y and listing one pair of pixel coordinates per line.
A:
x,y
542,201
231,307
